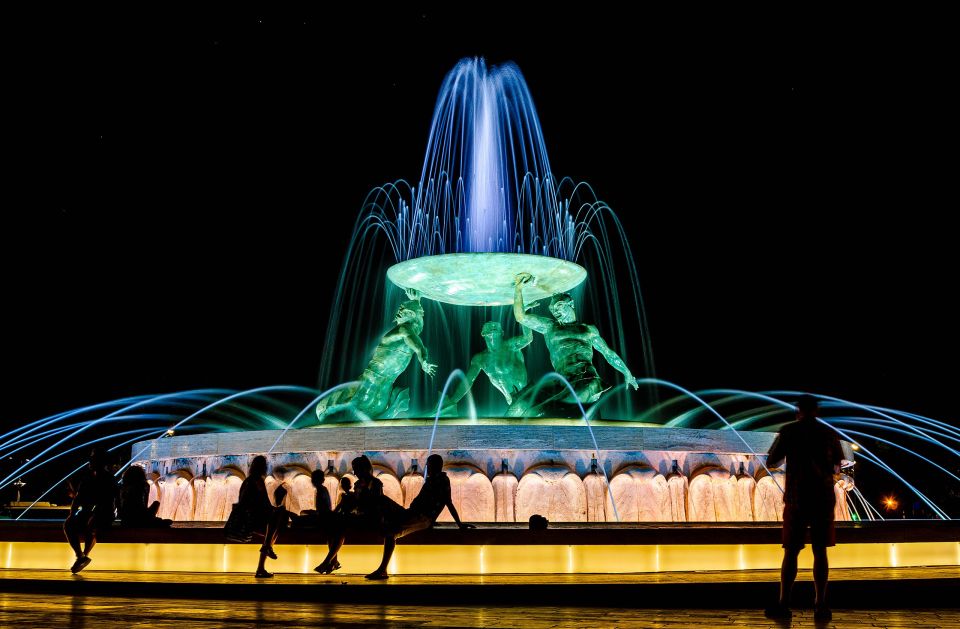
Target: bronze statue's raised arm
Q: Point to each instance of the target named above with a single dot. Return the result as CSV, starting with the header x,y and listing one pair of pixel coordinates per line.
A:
x,y
519,342
525,319
615,361
413,342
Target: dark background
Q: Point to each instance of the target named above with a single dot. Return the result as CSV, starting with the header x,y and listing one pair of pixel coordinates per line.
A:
x,y
786,184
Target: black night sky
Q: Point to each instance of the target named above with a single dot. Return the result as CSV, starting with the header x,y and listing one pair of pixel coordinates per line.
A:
x,y
786,190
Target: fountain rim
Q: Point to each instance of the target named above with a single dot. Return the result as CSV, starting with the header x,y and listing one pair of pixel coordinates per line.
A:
x,y
551,276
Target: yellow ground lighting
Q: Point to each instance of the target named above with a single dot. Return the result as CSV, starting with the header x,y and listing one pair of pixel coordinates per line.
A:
x,y
474,559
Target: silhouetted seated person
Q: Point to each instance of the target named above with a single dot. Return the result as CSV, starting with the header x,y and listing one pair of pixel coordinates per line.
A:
x,y
361,511
319,516
134,492
813,454
423,512
93,508
347,502
538,522
260,514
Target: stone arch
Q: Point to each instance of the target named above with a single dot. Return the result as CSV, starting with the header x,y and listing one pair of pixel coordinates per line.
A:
x,y
391,484
222,491
598,497
712,495
641,495
701,496
745,491
553,492
623,492
177,496
768,499
302,495
153,482
505,497
410,484
471,493
678,487
332,483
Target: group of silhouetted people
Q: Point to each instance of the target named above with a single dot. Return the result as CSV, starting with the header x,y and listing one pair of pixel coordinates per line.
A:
x,y
97,501
360,507
811,448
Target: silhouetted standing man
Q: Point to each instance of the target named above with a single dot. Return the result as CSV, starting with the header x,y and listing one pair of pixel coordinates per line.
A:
x,y
813,454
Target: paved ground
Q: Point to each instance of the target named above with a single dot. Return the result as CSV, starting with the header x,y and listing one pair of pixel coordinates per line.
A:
x,y
292,579
75,612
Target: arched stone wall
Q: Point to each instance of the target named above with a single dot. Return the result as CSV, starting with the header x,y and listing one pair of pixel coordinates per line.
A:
x,y
712,496
411,484
177,496
391,485
745,491
553,492
677,487
505,497
471,493
641,495
768,499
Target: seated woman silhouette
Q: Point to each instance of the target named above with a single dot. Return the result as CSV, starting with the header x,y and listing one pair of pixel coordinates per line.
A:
x,y
261,515
134,492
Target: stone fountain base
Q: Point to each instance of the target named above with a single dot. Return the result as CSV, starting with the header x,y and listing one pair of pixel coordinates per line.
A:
x,y
500,470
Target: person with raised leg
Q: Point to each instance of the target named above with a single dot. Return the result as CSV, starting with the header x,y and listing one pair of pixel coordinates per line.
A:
x,y
423,512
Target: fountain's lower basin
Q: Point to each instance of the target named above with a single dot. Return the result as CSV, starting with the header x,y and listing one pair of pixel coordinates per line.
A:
x,y
501,470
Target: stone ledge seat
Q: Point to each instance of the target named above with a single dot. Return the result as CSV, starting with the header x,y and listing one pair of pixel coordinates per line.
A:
x,y
896,531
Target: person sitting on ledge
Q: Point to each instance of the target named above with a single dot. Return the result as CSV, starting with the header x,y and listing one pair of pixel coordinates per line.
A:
x,y
93,508
423,512
134,492
263,516
360,510
319,516
347,503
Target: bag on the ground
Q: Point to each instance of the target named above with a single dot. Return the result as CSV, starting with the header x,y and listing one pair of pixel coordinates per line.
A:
x,y
239,526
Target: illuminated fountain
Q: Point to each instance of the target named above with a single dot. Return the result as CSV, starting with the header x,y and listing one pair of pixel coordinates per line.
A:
x,y
481,245
485,236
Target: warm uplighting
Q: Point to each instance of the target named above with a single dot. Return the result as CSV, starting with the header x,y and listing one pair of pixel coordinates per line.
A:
x,y
890,503
854,446
473,558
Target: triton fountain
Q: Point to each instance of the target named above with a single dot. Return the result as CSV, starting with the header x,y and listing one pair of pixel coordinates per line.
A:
x,y
490,265
485,237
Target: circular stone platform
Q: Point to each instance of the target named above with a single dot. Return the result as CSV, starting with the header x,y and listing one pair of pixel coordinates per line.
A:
x,y
485,279
499,470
